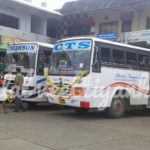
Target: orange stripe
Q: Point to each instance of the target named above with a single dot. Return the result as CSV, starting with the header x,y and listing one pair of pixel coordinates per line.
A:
x,y
126,85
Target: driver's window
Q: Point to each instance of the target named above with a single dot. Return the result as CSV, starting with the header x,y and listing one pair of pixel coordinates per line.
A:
x,y
43,61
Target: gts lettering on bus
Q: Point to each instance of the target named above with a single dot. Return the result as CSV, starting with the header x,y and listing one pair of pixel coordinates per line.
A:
x,y
28,48
76,45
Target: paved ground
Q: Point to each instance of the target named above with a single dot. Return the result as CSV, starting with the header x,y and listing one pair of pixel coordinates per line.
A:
x,y
47,128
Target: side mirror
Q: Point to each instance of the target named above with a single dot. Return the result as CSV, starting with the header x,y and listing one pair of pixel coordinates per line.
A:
x,y
96,67
96,62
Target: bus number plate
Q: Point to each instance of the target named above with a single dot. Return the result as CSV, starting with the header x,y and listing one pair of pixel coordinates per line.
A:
x,y
62,101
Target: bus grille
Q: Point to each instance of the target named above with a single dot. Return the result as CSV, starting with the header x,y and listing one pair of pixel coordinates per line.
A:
x,y
65,92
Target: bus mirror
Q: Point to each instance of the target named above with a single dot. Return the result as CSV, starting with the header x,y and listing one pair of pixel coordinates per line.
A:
x,y
96,62
96,67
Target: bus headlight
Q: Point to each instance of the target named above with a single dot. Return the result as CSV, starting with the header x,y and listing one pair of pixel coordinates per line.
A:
x,y
49,89
4,83
78,91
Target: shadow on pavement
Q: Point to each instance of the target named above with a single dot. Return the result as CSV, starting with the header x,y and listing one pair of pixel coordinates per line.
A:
x,y
70,112
40,107
102,115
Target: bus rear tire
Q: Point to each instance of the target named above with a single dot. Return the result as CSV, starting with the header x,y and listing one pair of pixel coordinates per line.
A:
x,y
81,110
117,109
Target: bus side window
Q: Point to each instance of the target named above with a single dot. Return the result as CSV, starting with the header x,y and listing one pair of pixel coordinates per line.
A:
x,y
118,57
143,61
131,59
105,55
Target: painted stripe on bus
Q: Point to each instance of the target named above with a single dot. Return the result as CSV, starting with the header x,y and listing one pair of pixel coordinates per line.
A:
x,y
41,80
126,85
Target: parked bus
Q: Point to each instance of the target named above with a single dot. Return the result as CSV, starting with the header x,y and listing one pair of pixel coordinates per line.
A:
x,y
32,58
91,73
2,55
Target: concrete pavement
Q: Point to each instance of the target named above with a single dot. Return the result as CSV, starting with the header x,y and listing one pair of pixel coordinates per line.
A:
x,y
47,128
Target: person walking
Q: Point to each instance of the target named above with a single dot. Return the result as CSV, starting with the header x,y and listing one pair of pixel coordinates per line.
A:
x,y
19,79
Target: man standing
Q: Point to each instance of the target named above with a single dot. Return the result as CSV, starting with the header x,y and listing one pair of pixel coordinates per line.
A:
x,y
18,90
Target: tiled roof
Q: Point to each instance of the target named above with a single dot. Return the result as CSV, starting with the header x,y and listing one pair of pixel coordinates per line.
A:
x,y
89,5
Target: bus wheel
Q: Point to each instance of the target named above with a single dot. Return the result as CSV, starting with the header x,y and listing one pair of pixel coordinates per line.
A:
x,y
32,104
117,109
81,110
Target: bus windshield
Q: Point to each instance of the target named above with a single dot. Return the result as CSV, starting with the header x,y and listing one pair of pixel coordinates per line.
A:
x,y
71,57
23,55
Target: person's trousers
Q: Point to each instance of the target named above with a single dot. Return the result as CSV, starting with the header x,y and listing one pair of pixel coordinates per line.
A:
x,y
19,104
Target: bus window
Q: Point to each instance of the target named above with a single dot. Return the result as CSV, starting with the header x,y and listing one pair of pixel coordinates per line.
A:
x,y
131,59
143,61
105,55
118,57
43,61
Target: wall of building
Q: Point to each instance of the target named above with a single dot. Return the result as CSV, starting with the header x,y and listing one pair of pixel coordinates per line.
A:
x,y
24,31
24,20
17,35
106,17
138,23
38,25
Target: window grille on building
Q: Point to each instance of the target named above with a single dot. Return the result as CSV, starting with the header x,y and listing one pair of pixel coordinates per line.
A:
x,y
108,27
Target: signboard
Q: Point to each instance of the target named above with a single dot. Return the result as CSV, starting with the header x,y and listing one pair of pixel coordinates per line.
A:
x,y
109,36
74,45
3,47
4,40
22,48
137,36
9,39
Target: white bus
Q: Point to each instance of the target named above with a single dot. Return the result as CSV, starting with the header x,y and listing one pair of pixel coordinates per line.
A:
x,y
90,73
32,58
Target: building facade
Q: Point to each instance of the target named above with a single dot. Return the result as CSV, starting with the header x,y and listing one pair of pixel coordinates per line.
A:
x,y
22,21
39,3
118,20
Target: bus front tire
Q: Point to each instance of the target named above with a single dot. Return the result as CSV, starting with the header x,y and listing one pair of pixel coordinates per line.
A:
x,y
117,109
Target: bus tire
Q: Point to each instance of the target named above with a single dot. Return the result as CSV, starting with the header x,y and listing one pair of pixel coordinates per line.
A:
x,y
117,109
32,104
81,111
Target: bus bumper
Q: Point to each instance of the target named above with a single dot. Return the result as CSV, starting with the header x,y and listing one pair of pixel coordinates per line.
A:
x,y
33,97
79,102
3,94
